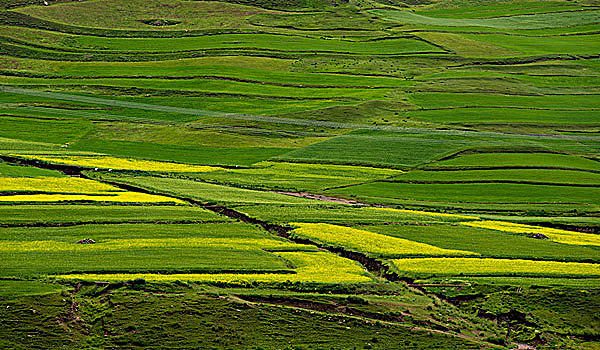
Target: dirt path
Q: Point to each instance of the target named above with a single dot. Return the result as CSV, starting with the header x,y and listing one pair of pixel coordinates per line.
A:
x,y
239,116
321,197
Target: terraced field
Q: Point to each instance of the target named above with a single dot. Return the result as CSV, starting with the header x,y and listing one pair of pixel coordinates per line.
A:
x,y
331,174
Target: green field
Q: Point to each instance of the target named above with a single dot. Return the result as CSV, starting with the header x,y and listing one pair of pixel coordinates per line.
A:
x,y
76,214
303,174
486,242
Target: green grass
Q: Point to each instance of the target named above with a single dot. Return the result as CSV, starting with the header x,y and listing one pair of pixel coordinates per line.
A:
x,y
100,232
191,15
8,145
206,85
555,309
182,154
584,81
182,318
271,70
296,177
49,131
108,14
501,175
572,221
499,115
537,21
533,160
60,214
398,193
591,283
550,103
466,47
317,86
207,135
414,148
550,69
496,9
486,242
591,63
577,44
400,150
163,248
249,104
206,192
259,42
10,170
335,214
13,289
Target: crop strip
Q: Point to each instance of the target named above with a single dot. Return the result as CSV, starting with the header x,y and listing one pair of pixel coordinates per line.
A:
x,y
483,182
126,222
207,77
507,167
372,265
199,112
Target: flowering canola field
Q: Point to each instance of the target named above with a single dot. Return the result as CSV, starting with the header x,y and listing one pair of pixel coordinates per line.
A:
x,y
60,189
369,242
556,235
315,267
107,162
482,266
141,243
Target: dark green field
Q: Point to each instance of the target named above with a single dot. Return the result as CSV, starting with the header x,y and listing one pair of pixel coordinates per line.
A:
x,y
266,174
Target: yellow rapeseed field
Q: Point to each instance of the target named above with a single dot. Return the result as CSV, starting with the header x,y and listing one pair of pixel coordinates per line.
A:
x,y
120,244
61,189
107,162
54,184
419,212
317,267
482,266
121,197
369,242
556,235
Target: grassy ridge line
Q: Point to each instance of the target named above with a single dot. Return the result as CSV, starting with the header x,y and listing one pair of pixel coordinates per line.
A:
x,y
274,41
192,111
238,67
202,50
522,22
205,77
503,10
49,53
211,86
21,20
508,34
93,116
200,112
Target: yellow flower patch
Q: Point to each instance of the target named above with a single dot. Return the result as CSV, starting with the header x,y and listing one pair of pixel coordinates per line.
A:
x,y
482,266
369,242
556,235
315,267
72,189
107,162
121,197
54,184
112,244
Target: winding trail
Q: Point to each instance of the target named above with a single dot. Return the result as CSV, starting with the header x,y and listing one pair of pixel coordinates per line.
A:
x,y
261,118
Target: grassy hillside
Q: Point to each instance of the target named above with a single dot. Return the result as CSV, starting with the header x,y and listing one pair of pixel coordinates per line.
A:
x,y
306,174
